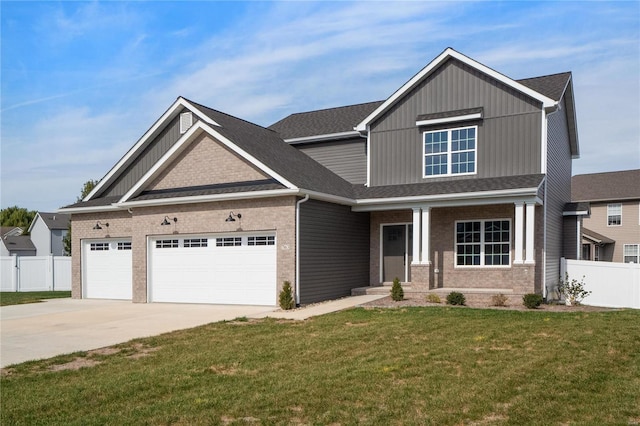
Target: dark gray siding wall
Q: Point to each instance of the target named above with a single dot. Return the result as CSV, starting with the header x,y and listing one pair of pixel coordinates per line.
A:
x,y
346,158
570,236
334,251
508,136
151,153
558,192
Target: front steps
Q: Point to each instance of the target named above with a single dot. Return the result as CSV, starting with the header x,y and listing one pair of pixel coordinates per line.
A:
x,y
476,296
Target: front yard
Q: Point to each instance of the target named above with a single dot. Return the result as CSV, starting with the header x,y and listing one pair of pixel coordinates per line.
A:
x,y
432,365
17,298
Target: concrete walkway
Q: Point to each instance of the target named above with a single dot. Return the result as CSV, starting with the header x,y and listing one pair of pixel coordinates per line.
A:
x,y
58,326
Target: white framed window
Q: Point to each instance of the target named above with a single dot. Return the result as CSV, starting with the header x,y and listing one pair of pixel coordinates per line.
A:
x,y
614,214
450,152
228,242
186,121
124,245
261,241
99,246
631,253
483,243
196,242
167,244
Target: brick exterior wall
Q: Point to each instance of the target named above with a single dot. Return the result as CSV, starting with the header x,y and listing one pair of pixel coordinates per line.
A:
x,y
205,162
267,214
519,279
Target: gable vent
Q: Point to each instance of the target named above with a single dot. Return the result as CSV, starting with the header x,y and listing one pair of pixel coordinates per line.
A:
x,y
186,121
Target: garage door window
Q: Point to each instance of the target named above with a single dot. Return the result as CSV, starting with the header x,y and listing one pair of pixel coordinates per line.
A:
x,y
196,242
228,242
99,246
167,244
124,245
262,241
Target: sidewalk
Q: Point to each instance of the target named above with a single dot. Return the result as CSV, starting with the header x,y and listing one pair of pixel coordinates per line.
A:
x,y
321,308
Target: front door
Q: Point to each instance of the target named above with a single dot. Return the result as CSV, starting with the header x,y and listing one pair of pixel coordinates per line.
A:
x,y
396,252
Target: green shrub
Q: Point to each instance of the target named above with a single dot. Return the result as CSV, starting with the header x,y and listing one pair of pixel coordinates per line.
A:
x,y
456,298
532,300
286,297
433,298
572,291
499,300
397,293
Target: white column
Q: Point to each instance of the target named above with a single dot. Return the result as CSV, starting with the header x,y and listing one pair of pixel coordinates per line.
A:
x,y
519,232
426,231
531,222
416,236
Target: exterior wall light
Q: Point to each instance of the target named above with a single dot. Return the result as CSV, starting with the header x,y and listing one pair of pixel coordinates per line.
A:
x,y
99,225
231,217
167,219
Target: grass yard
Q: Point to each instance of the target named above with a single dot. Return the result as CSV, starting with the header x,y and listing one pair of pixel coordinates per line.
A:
x,y
432,365
18,298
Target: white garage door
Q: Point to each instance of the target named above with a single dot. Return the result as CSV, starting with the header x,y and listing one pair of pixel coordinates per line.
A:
x,y
221,269
107,269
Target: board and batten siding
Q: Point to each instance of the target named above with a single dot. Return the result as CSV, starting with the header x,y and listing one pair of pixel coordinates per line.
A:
x,y
558,192
151,153
346,158
334,251
509,134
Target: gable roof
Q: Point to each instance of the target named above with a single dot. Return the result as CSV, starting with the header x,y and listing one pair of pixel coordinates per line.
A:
x,y
52,220
552,86
608,186
299,127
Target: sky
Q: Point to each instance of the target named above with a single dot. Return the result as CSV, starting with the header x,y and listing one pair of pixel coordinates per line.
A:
x,y
81,82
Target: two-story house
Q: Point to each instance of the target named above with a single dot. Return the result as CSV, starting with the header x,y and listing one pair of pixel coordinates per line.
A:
x,y
458,180
47,231
610,228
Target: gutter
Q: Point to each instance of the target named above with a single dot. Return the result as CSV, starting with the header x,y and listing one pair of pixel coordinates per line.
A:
x,y
297,285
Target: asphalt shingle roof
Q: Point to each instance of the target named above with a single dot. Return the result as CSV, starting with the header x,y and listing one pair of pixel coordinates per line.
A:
x,y
609,186
19,243
552,86
55,220
226,188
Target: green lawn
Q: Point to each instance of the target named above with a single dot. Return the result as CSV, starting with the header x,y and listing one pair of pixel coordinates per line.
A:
x,y
14,298
433,365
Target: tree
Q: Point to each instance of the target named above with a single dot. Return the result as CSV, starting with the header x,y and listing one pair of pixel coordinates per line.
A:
x,y
86,189
17,216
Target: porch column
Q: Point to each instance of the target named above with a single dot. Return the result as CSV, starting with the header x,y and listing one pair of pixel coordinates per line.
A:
x,y
519,232
531,221
416,236
426,231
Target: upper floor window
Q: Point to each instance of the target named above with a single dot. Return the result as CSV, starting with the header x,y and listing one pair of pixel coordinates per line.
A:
x,y
450,152
631,253
614,214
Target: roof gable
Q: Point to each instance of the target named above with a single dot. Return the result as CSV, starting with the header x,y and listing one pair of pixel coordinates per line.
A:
x,y
52,220
609,186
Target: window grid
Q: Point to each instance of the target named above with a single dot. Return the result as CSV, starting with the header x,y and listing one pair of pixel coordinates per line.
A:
x,y
167,244
124,245
450,152
631,253
483,243
196,242
99,247
614,214
228,242
262,241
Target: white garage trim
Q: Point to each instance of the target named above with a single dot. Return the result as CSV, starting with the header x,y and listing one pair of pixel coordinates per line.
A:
x,y
236,268
106,269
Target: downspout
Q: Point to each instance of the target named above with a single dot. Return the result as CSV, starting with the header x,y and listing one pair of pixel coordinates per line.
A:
x,y
306,198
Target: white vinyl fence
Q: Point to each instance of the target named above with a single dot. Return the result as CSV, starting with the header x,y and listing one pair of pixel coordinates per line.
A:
x,y
35,273
613,285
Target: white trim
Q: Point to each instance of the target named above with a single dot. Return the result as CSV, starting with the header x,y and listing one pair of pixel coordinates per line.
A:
x,y
519,233
368,183
327,197
182,143
416,236
578,241
320,138
95,209
529,251
608,214
425,259
450,53
444,120
482,244
450,152
447,203
544,141
169,114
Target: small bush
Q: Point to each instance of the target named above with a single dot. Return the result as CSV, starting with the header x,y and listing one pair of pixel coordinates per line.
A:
x,y
456,298
433,298
532,300
286,297
499,300
397,293
572,291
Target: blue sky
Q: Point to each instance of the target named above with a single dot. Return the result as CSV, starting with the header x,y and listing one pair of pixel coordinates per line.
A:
x,y
82,81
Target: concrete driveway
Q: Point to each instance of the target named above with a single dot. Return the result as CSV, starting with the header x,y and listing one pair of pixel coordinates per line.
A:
x,y
59,326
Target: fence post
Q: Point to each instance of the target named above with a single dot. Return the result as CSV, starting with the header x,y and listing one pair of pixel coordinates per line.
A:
x,y
49,275
14,276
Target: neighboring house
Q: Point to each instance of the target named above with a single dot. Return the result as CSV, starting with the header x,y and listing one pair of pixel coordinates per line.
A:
x,y
456,181
11,231
610,228
17,245
48,231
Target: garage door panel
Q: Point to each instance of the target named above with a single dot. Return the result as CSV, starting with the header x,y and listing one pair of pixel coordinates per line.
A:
x,y
107,270
213,274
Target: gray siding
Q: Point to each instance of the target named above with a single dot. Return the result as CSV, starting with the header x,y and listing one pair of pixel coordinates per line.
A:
x,y
346,158
151,153
570,237
508,135
558,192
334,251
